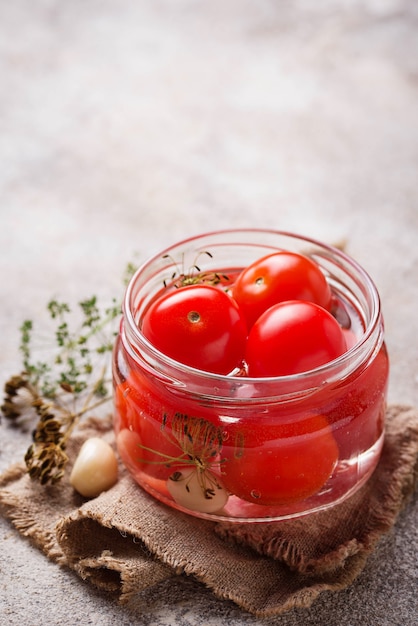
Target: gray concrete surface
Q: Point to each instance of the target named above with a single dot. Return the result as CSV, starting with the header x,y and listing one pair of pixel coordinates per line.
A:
x,y
127,125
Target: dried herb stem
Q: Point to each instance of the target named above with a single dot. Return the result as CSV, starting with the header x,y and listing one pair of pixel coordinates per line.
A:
x,y
57,393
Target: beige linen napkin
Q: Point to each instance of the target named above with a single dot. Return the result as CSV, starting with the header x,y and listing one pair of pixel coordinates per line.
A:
x,y
124,541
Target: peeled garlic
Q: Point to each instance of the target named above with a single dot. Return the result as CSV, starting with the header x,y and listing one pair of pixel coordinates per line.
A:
x,y
197,490
95,468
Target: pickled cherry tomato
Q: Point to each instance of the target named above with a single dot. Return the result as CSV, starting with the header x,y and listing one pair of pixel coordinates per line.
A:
x,y
142,443
278,277
197,325
293,337
279,464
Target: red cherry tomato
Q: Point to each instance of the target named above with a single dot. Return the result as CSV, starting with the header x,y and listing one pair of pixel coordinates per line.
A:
x,y
143,442
155,438
358,409
278,277
279,464
198,325
293,337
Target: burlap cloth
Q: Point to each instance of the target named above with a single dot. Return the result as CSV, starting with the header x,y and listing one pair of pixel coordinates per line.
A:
x,y
124,541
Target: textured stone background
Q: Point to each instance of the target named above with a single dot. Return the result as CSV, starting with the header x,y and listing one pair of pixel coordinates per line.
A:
x,y
127,125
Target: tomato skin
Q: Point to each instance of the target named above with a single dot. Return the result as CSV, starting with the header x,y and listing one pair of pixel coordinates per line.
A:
x,y
150,427
280,464
293,337
143,443
278,277
197,325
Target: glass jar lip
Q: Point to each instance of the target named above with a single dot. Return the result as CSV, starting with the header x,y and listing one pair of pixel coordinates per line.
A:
x,y
324,371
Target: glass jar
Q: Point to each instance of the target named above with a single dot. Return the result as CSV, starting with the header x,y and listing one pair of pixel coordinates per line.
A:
x,y
251,449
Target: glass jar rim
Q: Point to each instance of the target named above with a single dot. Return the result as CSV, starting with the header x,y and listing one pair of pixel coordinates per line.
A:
x,y
356,353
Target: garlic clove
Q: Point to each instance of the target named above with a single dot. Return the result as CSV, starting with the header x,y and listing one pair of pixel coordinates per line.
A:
x,y
197,490
95,468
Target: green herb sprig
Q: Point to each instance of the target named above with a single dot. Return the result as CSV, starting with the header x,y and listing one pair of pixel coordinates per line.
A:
x,y
74,380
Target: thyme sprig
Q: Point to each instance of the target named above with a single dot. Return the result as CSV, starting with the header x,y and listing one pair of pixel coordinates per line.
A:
x,y
56,393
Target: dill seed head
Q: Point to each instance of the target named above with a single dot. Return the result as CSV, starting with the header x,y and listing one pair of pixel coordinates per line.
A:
x,y
12,386
14,401
10,410
45,462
